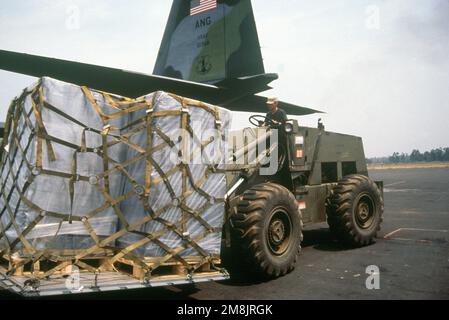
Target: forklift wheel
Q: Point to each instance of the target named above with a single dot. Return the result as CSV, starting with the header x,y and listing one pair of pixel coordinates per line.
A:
x,y
354,210
268,230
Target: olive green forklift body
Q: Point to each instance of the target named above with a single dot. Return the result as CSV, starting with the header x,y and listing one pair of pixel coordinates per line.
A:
x,y
316,161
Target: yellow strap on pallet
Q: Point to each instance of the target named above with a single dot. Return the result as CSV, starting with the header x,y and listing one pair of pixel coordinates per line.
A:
x,y
94,103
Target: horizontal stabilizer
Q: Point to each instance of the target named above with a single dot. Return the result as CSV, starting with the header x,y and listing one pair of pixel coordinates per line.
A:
x,y
257,104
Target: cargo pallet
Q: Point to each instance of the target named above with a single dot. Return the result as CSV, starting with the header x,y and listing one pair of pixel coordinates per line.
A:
x,y
100,274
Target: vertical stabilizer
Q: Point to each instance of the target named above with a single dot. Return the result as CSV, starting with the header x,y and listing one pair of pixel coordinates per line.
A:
x,y
210,41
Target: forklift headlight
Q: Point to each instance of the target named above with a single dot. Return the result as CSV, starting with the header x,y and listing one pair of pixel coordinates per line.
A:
x,y
288,127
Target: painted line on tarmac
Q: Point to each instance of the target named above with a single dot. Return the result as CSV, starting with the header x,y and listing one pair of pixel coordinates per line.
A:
x,y
392,233
414,240
395,183
389,235
425,230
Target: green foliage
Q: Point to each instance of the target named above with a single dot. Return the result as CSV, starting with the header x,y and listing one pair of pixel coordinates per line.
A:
x,y
439,154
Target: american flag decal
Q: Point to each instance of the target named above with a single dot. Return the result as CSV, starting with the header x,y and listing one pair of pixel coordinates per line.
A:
x,y
200,6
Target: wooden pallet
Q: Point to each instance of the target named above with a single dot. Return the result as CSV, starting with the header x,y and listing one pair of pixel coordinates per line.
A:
x,y
66,267
168,268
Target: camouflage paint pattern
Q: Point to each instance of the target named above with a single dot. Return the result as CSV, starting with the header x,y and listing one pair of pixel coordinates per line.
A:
x,y
209,47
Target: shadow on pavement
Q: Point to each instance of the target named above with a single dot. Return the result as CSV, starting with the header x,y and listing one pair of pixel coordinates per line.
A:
x,y
321,239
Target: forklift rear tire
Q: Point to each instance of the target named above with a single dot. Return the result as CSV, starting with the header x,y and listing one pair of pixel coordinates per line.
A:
x,y
354,210
268,231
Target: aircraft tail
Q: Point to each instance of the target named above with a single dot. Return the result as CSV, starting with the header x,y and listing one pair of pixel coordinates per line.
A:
x,y
205,42
210,41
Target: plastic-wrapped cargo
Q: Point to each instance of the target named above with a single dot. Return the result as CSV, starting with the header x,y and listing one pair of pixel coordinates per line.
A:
x,y
42,195
187,177
87,174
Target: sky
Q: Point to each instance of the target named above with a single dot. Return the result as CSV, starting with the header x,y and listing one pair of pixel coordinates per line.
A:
x,y
379,69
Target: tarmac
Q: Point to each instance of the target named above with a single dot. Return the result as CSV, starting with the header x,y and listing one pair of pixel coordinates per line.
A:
x,y
411,254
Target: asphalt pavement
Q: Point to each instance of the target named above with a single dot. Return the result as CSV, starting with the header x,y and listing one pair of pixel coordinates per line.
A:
x,y
411,254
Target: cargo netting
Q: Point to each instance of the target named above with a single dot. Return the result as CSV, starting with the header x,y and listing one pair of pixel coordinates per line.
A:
x,y
108,183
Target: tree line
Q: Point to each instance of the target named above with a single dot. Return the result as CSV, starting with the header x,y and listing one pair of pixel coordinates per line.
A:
x,y
439,154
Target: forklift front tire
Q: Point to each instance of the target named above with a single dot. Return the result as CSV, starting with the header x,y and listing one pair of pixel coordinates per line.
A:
x,y
268,230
